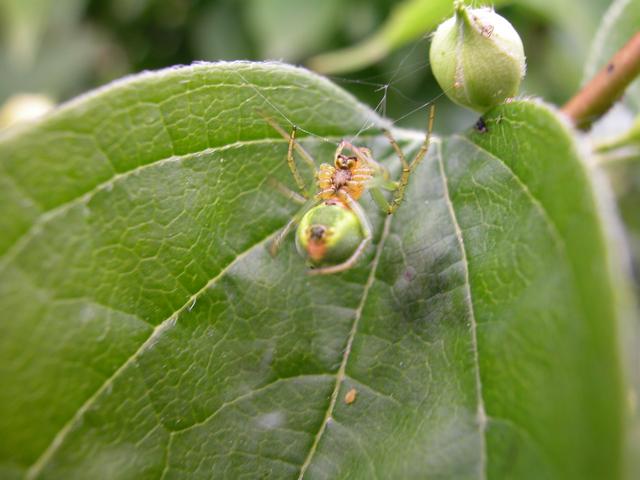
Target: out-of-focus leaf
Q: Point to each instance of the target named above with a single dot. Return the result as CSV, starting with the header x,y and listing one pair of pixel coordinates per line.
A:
x,y
620,23
578,19
621,159
618,26
48,50
146,331
289,29
414,18
216,33
62,69
25,23
628,138
24,108
408,21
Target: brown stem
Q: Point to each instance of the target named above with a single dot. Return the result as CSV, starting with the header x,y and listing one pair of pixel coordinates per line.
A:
x,y
597,96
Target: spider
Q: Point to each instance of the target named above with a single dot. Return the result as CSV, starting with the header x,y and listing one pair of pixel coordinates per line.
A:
x,y
333,229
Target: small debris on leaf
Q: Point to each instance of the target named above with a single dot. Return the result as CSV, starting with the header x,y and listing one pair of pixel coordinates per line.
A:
x,y
481,126
350,397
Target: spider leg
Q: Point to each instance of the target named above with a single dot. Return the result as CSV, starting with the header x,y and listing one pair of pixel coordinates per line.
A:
x,y
299,148
379,199
380,169
290,158
396,148
362,153
407,168
341,146
351,261
282,234
378,181
424,148
291,161
287,192
366,157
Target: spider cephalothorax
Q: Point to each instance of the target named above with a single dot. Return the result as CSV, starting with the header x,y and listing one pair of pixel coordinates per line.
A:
x,y
348,174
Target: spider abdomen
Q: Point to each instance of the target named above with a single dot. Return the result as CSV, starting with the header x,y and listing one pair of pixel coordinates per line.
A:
x,y
328,234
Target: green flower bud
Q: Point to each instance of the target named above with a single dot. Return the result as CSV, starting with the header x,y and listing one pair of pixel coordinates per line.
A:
x,y
477,58
328,234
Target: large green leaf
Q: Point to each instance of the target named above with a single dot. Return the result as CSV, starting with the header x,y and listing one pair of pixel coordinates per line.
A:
x,y
621,151
146,331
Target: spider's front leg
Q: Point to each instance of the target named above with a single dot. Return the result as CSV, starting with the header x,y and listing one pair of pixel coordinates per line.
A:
x,y
291,161
407,168
293,145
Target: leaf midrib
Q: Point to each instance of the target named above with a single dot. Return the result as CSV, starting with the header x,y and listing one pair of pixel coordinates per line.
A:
x,y
481,415
341,372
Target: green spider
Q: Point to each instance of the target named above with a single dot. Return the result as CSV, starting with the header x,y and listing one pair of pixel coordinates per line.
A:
x,y
333,229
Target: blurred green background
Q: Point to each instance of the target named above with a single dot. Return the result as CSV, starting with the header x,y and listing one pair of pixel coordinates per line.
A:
x,y
65,47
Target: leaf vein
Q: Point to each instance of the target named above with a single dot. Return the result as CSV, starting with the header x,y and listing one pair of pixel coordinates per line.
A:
x,y
550,224
481,416
244,396
341,373
157,332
